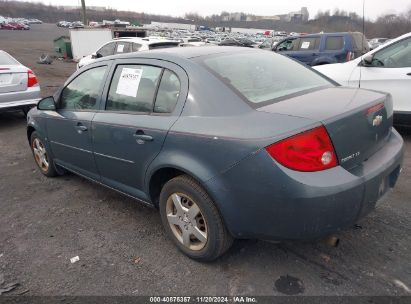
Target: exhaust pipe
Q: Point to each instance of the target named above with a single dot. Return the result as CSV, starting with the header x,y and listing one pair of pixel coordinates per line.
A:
x,y
331,241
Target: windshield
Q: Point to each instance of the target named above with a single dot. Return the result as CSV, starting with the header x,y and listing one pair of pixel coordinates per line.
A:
x,y
263,76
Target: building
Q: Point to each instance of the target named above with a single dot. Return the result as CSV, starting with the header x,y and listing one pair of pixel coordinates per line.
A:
x,y
299,16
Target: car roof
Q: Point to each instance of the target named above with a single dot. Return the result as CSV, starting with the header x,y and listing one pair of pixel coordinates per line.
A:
x,y
183,52
140,40
325,34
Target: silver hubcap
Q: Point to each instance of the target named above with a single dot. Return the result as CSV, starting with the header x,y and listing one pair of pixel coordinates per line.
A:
x,y
186,221
40,154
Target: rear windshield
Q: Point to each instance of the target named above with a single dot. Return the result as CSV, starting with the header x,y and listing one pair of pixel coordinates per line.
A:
x,y
162,45
263,77
6,59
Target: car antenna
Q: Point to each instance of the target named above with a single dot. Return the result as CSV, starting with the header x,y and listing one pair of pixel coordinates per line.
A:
x,y
362,43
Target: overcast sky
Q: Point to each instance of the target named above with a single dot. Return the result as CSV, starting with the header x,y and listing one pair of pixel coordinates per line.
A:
x,y
373,9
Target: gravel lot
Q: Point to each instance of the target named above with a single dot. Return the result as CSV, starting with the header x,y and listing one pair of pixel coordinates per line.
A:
x,y
123,250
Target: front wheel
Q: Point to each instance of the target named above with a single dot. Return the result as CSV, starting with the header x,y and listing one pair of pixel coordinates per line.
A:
x,y
41,156
192,220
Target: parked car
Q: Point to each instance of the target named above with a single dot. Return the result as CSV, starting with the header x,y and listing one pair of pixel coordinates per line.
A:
x,y
192,41
7,26
223,142
19,88
127,45
376,42
319,49
237,42
387,68
19,26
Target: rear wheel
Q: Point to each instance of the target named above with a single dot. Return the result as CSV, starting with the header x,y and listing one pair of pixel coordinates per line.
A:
x,y
41,156
192,220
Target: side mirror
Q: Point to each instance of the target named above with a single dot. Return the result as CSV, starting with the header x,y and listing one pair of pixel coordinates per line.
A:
x,y
367,59
47,104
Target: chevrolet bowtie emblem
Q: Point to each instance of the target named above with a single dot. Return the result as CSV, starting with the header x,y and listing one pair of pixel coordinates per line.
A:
x,y
377,121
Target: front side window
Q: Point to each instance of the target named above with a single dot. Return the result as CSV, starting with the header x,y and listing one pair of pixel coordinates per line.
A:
x,y
133,88
334,43
258,78
308,44
107,49
83,92
286,45
397,55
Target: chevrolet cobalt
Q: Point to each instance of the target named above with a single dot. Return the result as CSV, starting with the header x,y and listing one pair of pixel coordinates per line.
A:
x,y
226,142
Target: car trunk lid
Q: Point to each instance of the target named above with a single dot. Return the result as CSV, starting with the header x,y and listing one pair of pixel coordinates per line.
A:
x,y
13,78
358,121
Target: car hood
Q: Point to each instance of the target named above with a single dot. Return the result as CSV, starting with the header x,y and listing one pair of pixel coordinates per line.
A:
x,y
339,72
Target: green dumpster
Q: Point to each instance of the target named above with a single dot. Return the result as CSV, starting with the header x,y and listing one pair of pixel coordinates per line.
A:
x,y
62,46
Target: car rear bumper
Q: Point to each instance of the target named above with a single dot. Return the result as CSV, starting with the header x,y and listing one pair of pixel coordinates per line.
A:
x,y
18,104
281,204
29,97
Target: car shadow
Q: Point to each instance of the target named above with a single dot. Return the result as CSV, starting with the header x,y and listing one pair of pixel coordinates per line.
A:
x,y
11,119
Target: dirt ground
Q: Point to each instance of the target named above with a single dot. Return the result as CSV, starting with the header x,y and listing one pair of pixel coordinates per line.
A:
x,y
123,249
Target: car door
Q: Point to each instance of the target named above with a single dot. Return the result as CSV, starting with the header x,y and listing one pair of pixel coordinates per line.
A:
x,y
143,100
304,49
69,130
390,71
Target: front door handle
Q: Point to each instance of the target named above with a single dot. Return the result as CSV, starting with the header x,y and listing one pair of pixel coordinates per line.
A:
x,y
142,137
409,74
80,127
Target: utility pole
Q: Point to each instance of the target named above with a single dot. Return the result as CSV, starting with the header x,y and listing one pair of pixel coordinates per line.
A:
x,y
83,8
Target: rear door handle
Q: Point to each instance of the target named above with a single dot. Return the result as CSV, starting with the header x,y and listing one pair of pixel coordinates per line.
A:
x,y
80,127
409,74
142,137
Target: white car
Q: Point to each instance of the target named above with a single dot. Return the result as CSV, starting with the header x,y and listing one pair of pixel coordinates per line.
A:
x,y
127,45
387,68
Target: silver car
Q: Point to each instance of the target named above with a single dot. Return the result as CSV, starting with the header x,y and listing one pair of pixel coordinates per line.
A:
x,y
19,87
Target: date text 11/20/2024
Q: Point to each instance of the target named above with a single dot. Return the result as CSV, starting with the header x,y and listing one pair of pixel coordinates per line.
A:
x,y
203,299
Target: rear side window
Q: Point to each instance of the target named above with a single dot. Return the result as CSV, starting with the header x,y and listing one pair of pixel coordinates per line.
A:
x,y
256,76
334,43
133,88
168,93
136,47
122,47
83,92
309,43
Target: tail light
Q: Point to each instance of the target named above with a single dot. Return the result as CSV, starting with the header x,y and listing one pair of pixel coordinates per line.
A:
x,y
32,79
350,56
307,152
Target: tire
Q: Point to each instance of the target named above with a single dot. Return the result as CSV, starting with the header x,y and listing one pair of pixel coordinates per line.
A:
x,y
197,217
41,156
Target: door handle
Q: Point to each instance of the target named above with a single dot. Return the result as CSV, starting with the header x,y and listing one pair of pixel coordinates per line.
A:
x,y
409,74
80,127
142,137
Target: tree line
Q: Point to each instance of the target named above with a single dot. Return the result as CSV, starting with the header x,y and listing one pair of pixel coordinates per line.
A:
x,y
387,25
